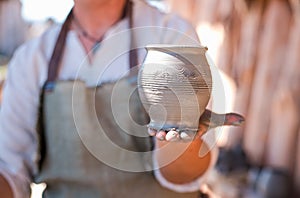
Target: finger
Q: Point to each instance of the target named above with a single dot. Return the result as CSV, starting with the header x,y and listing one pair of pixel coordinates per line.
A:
x,y
212,120
161,135
234,119
187,135
172,136
152,132
202,129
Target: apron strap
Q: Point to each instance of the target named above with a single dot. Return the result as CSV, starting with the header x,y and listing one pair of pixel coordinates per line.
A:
x,y
57,54
49,85
133,57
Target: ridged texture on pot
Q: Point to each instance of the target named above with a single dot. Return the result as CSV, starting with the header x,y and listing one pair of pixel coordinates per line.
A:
x,y
175,84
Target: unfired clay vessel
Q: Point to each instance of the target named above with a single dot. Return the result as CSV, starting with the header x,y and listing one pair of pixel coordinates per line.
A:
x,y
174,85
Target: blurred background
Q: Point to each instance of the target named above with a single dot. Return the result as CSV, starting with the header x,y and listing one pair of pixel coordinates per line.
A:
x,y
256,43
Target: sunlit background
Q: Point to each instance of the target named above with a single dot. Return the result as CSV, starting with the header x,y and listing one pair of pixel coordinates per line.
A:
x,y
40,10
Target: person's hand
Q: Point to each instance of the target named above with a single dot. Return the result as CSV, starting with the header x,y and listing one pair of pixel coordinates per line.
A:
x,y
208,120
5,189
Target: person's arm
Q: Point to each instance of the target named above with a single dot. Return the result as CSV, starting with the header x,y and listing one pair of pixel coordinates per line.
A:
x,y
5,189
183,162
18,115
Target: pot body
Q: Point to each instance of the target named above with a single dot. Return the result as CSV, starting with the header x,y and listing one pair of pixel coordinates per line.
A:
x,y
174,84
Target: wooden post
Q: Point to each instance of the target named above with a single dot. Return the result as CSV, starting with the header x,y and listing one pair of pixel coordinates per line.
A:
x,y
297,168
285,112
12,26
244,65
270,60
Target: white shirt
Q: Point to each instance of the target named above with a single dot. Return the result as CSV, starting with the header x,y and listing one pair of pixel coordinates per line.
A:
x,y
28,70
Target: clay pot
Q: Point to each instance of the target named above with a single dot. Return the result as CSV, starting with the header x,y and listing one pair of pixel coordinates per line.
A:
x,y
174,84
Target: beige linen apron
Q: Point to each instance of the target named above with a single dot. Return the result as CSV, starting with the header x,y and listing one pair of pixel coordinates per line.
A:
x,y
86,151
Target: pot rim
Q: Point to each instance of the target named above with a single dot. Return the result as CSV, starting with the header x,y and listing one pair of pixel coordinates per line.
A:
x,y
174,46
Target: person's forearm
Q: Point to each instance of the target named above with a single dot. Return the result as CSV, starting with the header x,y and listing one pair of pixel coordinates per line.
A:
x,y
181,162
5,189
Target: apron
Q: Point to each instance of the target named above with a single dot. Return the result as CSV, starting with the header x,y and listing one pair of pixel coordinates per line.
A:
x,y
88,149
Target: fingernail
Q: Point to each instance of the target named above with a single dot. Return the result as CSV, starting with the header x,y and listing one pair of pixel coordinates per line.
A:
x,y
151,132
172,136
161,135
187,135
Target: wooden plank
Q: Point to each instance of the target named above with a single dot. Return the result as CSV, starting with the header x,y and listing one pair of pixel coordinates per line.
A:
x,y
285,112
12,26
284,121
297,168
244,68
271,50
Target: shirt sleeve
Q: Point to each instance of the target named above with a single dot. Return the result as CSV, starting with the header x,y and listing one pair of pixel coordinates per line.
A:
x,y
188,187
179,31
18,115
155,27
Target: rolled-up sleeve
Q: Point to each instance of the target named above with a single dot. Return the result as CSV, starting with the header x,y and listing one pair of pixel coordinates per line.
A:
x,y
18,115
